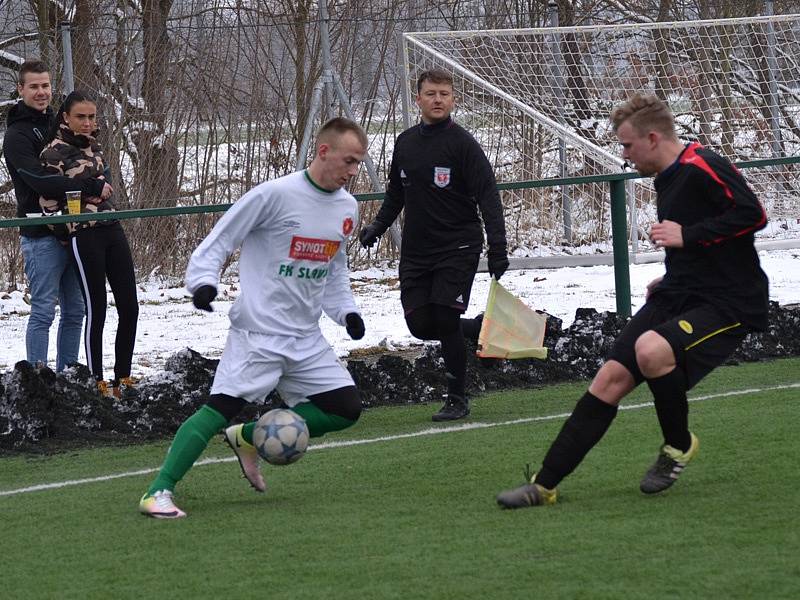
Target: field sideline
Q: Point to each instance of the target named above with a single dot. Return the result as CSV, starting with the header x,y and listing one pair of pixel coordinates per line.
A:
x,y
396,509
388,438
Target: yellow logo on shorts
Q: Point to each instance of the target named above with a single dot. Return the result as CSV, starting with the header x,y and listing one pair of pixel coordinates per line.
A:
x,y
686,326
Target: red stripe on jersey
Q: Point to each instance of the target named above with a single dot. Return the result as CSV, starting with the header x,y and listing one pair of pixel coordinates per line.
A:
x,y
690,157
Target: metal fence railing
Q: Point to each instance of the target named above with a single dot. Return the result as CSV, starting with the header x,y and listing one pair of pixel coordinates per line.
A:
x,y
163,238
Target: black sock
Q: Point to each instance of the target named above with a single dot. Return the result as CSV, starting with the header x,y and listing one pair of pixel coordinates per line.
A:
x,y
585,427
672,408
472,328
454,353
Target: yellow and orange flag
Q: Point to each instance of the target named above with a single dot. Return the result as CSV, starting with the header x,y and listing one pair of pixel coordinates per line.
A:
x,y
510,328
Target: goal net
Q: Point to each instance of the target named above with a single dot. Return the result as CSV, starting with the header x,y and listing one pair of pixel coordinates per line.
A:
x,y
538,101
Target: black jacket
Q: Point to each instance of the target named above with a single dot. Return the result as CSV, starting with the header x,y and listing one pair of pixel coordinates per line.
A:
x,y
23,142
719,214
441,176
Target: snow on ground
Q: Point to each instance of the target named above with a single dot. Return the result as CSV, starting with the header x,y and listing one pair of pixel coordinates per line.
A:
x,y
168,322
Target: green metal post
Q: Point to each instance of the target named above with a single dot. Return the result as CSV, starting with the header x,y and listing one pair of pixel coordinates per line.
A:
x,y
619,233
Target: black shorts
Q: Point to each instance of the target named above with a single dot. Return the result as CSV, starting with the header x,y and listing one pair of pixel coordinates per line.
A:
x,y
445,279
701,337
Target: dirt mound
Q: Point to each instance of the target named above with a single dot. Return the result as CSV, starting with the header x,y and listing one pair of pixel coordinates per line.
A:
x,y
42,411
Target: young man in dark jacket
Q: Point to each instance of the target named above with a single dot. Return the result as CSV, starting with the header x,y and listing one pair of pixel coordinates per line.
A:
x,y
51,277
712,294
441,176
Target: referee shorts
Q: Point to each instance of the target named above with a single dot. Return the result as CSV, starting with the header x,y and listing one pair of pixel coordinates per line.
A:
x,y
445,279
701,337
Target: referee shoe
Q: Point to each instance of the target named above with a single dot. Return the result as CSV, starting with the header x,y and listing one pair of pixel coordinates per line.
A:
x,y
455,407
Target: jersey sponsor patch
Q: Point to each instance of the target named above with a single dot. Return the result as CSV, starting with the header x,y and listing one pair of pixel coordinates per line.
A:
x,y
441,176
304,248
347,226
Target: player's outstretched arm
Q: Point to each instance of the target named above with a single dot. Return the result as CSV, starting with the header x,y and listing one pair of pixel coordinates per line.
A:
x,y
248,213
393,203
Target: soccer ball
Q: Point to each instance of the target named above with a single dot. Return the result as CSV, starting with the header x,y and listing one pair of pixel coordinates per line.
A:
x,y
281,436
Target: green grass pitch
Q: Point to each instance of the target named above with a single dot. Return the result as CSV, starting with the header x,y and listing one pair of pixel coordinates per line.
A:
x,y
413,516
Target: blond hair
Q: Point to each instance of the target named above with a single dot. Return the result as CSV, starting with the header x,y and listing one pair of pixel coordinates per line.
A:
x,y
645,112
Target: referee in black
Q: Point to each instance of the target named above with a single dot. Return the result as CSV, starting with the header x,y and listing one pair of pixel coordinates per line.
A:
x,y
712,294
441,176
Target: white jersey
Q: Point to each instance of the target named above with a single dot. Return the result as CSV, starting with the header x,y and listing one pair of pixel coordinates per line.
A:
x,y
292,265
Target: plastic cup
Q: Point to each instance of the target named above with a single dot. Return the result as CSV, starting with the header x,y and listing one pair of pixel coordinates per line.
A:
x,y
74,203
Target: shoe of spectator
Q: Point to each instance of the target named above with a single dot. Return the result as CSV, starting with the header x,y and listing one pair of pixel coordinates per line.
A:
x,y
103,388
123,382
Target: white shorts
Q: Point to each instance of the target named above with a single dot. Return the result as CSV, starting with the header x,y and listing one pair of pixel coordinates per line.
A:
x,y
253,364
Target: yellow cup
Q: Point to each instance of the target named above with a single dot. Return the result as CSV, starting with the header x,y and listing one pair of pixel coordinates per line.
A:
x,y
74,203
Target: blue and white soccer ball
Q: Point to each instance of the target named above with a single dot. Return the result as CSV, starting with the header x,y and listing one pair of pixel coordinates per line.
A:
x,y
281,436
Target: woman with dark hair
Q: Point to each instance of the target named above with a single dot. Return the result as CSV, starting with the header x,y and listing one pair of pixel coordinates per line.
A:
x,y
100,248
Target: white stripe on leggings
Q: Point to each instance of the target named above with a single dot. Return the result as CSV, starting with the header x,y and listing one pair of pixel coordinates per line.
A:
x,y
88,298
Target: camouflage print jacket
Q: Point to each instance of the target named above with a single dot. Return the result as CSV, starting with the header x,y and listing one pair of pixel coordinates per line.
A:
x,y
79,157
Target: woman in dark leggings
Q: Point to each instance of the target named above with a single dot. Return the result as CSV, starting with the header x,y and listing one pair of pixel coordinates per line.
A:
x,y
100,248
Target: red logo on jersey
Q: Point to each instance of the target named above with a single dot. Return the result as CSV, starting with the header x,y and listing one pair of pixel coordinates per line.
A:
x,y
304,248
347,226
441,176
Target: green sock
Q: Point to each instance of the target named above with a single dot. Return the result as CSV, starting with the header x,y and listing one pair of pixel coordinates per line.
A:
x,y
190,441
247,432
319,422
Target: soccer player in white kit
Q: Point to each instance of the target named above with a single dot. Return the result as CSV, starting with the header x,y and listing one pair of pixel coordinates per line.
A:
x,y
292,232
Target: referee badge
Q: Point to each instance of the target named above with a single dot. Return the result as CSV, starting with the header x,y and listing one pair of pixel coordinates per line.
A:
x,y
441,176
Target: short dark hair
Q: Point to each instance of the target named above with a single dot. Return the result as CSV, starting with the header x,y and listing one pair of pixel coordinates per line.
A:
x,y
337,126
434,76
645,112
33,65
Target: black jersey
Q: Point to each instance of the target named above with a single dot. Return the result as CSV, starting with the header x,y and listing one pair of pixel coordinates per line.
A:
x,y
719,214
441,176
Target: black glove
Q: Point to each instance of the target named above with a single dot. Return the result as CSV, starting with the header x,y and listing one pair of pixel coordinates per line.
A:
x,y
355,326
497,261
203,296
370,234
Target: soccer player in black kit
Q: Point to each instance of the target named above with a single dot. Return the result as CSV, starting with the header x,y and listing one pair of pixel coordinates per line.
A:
x,y
441,176
712,294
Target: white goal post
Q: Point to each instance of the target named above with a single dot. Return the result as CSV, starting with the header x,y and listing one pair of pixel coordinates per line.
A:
x,y
538,101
